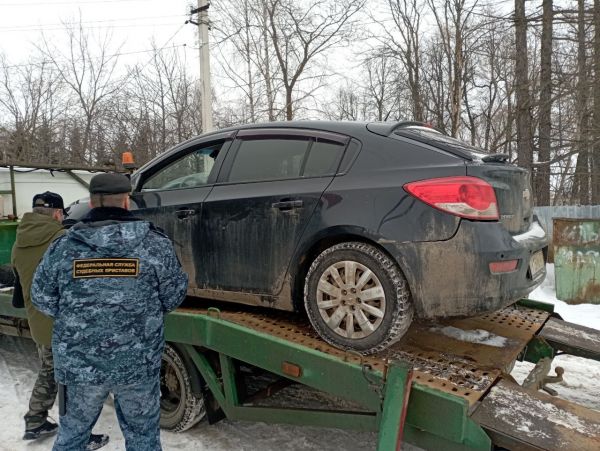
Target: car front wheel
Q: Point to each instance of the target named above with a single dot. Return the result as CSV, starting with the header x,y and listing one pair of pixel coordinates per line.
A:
x,y
357,298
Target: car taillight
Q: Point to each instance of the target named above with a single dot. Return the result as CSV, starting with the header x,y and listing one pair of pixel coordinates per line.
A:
x,y
467,197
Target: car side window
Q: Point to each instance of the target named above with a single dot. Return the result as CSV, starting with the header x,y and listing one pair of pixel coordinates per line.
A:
x,y
190,171
268,159
323,159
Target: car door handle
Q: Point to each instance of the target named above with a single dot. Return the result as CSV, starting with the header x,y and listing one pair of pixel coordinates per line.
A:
x,y
185,213
288,204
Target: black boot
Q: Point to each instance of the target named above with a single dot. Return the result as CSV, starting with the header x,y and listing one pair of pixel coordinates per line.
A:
x,y
96,441
47,428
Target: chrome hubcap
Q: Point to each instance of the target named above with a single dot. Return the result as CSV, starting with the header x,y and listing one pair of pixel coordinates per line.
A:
x,y
351,299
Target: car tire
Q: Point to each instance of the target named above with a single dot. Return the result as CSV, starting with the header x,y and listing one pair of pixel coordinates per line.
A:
x,y
180,407
376,312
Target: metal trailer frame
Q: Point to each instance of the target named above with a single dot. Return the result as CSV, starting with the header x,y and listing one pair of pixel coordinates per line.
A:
x,y
390,407
392,401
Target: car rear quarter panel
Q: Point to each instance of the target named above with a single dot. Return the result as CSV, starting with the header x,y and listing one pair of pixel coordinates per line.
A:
x,y
371,195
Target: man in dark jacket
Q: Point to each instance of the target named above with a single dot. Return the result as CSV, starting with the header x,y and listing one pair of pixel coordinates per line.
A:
x,y
108,282
36,231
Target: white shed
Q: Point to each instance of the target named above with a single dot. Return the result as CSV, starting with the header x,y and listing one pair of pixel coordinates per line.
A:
x,y
31,181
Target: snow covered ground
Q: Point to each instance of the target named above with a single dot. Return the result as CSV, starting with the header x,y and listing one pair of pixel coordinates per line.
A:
x,y
18,365
17,374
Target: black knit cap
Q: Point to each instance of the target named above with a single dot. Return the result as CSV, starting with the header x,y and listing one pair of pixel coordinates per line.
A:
x,y
49,200
109,183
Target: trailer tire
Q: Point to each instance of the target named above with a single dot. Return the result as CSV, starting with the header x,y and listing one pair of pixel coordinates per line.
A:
x,y
335,288
180,407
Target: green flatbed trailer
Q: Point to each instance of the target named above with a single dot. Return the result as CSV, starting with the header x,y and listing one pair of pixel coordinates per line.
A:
x,y
430,389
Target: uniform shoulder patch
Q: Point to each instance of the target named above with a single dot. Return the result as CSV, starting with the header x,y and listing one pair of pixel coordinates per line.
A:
x,y
105,267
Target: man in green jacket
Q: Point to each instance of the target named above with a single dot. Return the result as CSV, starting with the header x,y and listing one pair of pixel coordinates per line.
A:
x,y
36,231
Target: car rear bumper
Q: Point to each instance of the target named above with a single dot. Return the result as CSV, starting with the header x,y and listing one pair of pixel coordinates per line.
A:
x,y
453,277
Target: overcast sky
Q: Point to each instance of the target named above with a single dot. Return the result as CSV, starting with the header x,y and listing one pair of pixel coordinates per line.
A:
x,y
133,24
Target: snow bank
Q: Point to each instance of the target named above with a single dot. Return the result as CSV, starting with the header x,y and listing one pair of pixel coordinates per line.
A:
x,y
581,381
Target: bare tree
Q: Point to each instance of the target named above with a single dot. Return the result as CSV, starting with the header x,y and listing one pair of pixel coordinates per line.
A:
x,y
491,89
381,81
299,34
523,96
403,41
348,104
265,66
453,18
581,182
542,177
241,29
159,107
89,73
28,96
595,157
434,81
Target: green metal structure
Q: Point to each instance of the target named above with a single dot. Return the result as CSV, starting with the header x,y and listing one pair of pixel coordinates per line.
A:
x,y
8,234
381,396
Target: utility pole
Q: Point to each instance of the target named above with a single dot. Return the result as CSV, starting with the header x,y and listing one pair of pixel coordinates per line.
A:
x,y
203,25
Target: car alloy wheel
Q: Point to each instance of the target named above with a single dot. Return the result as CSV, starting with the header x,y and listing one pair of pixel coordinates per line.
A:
x,y
356,297
351,299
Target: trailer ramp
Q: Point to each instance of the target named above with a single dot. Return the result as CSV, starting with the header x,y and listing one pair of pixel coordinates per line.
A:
x,y
572,338
520,419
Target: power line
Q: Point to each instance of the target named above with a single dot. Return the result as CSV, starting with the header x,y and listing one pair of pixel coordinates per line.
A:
x,y
47,3
164,46
100,27
38,25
